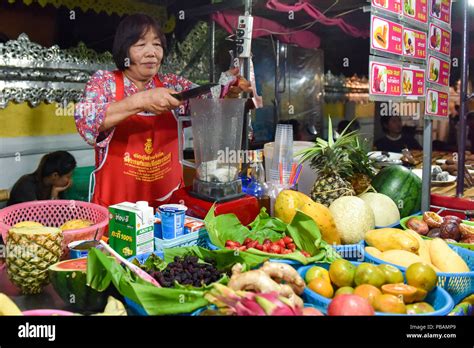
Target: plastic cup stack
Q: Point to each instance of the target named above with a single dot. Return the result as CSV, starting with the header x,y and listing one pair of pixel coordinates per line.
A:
x,y
282,153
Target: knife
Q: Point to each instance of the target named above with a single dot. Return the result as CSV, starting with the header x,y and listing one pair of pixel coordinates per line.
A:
x,y
194,92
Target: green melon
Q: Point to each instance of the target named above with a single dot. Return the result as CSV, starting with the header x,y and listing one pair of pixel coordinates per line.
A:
x,y
69,280
402,186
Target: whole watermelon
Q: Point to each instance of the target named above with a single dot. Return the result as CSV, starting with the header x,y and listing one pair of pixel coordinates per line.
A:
x,y
402,186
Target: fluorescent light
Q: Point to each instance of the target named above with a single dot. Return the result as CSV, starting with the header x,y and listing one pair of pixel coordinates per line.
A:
x,y
471,3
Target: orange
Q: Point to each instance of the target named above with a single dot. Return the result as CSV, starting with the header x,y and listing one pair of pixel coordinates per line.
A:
x,y
367,291
321,287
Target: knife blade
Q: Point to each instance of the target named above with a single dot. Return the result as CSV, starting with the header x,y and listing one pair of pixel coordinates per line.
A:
x,y
194,92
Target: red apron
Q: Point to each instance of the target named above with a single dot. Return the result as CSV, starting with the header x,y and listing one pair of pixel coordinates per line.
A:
x,y
141,162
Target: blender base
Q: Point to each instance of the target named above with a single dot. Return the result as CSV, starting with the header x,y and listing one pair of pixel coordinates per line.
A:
x,y
246,208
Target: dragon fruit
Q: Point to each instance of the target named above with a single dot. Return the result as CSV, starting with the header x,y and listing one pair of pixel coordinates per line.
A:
x,y
243,303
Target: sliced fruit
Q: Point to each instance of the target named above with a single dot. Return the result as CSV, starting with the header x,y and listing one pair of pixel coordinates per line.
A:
x,y
432,219
419,308
388,303
342,273
69,280
367,291
406,292
391,273
321,287
28,224
420,295
368,273
422,276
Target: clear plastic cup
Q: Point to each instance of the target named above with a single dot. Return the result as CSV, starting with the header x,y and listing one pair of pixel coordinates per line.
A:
x,y
282,151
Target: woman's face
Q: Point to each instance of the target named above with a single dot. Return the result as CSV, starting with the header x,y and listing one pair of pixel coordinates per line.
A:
x,y
146,55
61,180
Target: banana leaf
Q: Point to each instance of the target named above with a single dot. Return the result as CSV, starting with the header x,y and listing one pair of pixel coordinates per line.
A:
x,y
103,270
225,258
302,229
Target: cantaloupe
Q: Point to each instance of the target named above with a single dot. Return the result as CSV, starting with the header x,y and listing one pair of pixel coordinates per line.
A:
x,y
353,218
385,210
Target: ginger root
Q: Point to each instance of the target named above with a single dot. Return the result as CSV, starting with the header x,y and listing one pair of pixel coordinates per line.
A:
x,y
284,272
255,280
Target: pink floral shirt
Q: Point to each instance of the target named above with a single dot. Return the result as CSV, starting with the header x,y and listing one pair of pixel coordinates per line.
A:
x,y
99,93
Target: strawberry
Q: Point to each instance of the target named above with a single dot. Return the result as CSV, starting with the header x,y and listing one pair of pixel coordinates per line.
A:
x,y
266,248
267,241
247,241
286,251
291,246
259,247
305,253
275,249
281,243
242,248
287,240
231,244
252,244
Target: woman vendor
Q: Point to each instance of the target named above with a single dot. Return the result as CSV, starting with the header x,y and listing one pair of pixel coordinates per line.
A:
x,y
127,116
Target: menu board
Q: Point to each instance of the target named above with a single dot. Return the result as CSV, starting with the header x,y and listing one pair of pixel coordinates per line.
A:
x,y
441,10
416,10
413,82
436,103
414,43
438,71
385,79
439,40
386,36
393,6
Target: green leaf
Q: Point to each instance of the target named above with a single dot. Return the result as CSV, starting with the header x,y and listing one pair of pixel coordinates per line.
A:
x,y
264,226
224,227
103,270
225,258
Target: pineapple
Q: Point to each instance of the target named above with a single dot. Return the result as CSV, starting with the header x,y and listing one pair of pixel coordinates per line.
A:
x,y
30,251
362,166
331,161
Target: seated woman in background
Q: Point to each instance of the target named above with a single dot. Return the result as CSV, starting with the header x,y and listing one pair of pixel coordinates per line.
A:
x,y
394,140
49,181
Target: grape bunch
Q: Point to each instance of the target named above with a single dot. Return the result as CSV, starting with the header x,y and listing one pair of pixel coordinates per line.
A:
x,y
188,271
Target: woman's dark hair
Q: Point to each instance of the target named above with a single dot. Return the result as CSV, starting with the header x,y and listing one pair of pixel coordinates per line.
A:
x,y
129,31
61,162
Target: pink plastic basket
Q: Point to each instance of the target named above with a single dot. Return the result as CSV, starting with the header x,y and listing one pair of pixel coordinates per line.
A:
x,y
54,213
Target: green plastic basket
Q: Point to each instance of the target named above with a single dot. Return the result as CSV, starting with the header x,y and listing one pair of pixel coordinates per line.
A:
x,y
79,190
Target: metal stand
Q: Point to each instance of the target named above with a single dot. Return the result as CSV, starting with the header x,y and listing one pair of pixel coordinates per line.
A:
x,y
464,100
427,151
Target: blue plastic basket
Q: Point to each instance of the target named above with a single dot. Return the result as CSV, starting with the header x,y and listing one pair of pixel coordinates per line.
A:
x,y
458,285
438,298
200,310
351,252
198,238
292,263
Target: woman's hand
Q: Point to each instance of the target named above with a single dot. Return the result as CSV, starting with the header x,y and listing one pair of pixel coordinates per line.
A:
x,y
159,100
242,85
56,190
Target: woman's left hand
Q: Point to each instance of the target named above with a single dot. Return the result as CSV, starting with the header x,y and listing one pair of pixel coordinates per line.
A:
x,y
242,85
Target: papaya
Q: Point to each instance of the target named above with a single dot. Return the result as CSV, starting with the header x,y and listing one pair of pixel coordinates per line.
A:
x,y
288,201
323,218
75,224
423,250
407,292
445,258
391,239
